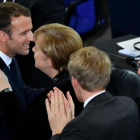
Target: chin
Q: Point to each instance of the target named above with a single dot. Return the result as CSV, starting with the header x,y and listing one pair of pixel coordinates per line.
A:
x,y
36,66
24,53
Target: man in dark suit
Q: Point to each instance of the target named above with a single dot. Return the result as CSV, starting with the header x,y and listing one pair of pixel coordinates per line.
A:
x,y
42,12
15,37
104,116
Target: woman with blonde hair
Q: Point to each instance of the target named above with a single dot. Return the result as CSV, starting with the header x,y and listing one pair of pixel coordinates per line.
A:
x,y
54,43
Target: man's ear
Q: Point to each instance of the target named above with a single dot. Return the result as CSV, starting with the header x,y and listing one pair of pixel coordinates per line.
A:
x,y
74,82
3,36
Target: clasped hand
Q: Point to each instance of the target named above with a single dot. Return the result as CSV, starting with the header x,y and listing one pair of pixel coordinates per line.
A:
x,y
60,110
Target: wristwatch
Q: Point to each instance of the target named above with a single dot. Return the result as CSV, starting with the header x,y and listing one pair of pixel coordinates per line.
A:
x,y
6,90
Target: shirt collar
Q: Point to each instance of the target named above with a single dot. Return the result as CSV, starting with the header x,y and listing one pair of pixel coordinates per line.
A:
x,y
5,58
87,101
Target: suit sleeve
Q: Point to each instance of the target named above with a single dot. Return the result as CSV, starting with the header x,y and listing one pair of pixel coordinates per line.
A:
x,y
31,94
10,111
55,137
71,131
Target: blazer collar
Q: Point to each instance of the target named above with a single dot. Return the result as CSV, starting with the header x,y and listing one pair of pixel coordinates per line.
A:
x,y
98,99
59,76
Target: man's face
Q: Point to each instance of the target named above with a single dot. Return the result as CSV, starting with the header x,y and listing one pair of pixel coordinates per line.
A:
x,y
21,35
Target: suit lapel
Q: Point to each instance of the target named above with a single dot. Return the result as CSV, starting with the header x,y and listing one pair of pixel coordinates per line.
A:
x,y
17,72
14,83
100,98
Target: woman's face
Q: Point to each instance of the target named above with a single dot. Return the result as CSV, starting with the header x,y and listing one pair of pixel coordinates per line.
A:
x,y
41,60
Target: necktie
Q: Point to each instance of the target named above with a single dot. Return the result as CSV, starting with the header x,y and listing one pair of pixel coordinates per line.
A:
x,y
12,69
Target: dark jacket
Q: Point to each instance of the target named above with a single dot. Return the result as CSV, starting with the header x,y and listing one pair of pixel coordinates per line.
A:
x,y
104,118
40,125
15,105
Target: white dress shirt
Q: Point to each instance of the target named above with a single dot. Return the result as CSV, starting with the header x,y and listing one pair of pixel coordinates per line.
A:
x,y
87,101
6,59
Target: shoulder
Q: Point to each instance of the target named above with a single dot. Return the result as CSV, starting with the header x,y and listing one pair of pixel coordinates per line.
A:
x,y
62,82
125,100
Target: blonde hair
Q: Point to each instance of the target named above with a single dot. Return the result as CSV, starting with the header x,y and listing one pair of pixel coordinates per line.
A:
x,y
58,43
91,68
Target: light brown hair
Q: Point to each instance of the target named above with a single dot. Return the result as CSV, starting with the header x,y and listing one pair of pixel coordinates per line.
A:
x,y
58,43
91,68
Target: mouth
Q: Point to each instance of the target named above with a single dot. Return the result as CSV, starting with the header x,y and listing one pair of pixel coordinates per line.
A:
x,y
26,46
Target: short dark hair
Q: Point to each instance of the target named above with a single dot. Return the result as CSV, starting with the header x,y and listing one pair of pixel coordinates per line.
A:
x,y
8,10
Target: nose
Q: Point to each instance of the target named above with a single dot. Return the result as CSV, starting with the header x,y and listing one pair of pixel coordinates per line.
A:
x,y
33,49
30,36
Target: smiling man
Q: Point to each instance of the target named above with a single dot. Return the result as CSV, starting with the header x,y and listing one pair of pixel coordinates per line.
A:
x,y
17,42
15,37
42,12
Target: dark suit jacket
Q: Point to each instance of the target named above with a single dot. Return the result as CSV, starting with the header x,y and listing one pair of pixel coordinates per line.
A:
x,y
104,118
40,125
14,105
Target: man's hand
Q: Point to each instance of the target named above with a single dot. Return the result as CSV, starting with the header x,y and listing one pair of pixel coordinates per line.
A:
x,y
66,101
4,83
59,113
71,104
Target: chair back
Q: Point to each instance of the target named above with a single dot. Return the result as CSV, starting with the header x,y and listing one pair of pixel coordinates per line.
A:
x,y
84,16
124,82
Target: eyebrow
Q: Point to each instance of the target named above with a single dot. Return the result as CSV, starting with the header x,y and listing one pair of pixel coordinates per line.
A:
x,y
25,31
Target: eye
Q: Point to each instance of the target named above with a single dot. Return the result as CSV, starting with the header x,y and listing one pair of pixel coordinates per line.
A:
x,y
24,33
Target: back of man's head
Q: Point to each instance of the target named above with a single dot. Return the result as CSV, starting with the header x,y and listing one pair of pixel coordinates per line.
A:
x,y
91,68
9,10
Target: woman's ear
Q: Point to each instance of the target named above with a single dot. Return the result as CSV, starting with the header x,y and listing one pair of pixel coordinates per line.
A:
x,y
49,61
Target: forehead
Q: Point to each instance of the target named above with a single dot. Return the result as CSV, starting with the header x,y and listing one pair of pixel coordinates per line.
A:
x,y
39,40
20,24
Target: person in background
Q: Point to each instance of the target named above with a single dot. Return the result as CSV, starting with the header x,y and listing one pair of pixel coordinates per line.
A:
x,y
42,12
104,117
138,67
54,43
